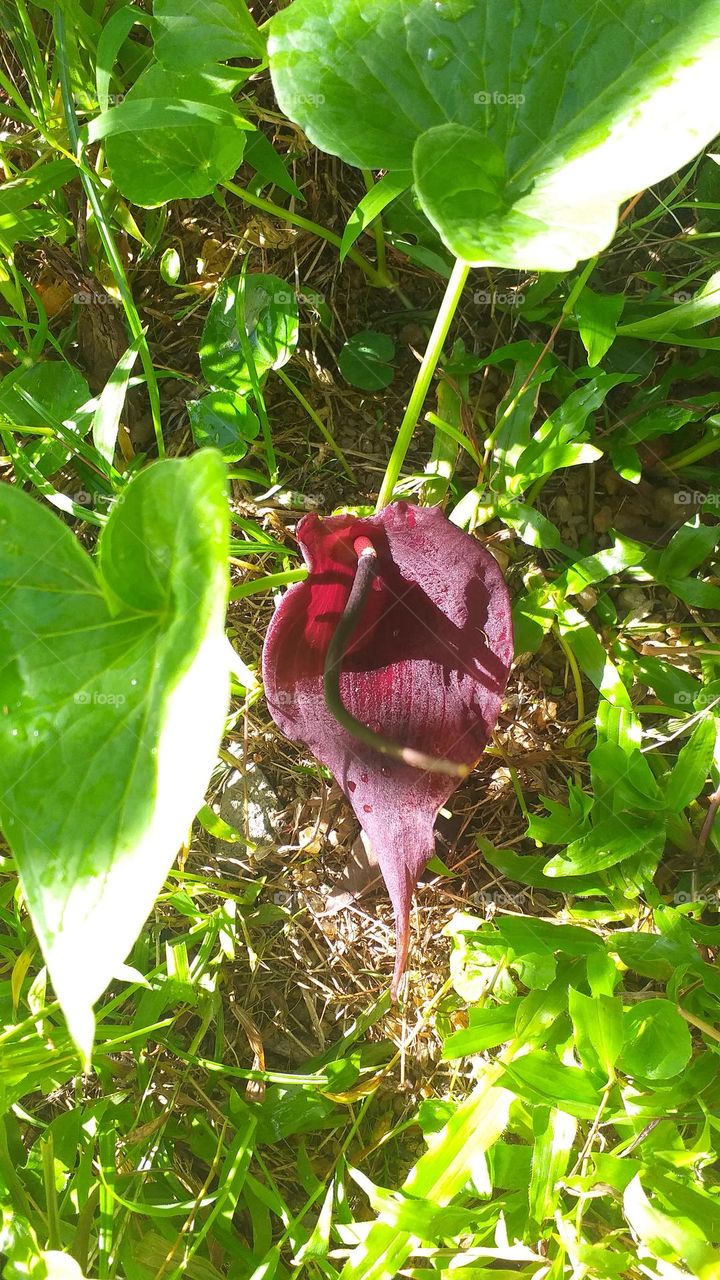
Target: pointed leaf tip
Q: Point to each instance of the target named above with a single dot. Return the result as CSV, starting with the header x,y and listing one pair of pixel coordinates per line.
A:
x,y
126,718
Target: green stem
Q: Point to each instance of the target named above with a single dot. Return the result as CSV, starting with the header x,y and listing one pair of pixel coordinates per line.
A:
x,y
318,423
695,453
88,181
305,224
579,285
249,359
377,229
364,575
432,355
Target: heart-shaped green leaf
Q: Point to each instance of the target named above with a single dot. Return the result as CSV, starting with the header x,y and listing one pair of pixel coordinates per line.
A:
x,y
224,421
364,360
113,691
523,126
269,309
173,137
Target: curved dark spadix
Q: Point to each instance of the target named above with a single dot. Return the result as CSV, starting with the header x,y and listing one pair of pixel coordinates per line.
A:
x,y
422,662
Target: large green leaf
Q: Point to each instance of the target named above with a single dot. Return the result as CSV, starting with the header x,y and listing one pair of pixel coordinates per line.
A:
x,y
113,688
187,36
173,137
523,125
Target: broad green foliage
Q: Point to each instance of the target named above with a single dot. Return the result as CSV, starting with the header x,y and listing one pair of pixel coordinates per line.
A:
x,y
544,1104
113,682
581,1046
174,136
522,126
186,37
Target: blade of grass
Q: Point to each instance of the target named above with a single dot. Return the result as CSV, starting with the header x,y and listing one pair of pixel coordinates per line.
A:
x,y
327,437
96,204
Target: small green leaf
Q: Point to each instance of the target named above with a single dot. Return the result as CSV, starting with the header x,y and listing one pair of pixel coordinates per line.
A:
x,y
652,955
269,165
687,549
599,1030
554,1133
414,1214
534,528
364,360
693,766
671,1237
592,657
696,593
489,1027
540,1077
373,202
623,554
597,315
170,266
611,841
533,616
561,440
657,1041
270,311
114,680
223,421
106,419
623,779
705,306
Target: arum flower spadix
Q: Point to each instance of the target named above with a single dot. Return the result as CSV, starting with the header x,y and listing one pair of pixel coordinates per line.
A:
x,y
389,661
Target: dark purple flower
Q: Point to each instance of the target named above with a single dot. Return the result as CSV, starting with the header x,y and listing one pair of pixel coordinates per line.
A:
x,y
424,664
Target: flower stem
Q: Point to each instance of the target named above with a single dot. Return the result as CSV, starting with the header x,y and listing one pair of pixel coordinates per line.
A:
x,y
365,572
429,364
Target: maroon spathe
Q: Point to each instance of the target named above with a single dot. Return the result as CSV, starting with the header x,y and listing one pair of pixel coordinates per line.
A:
x,y
427,667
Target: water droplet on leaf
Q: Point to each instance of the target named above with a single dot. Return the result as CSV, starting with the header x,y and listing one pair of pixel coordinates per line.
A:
x,y
438,57
453,9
